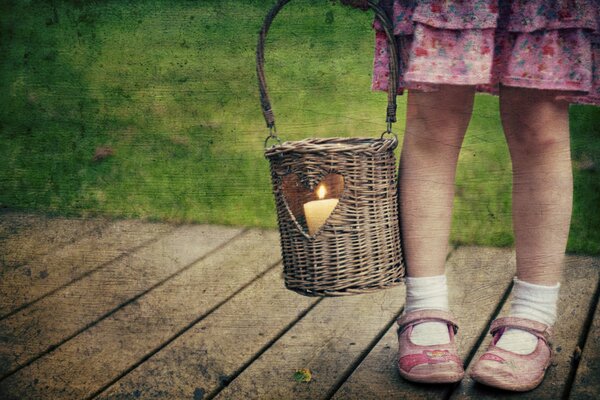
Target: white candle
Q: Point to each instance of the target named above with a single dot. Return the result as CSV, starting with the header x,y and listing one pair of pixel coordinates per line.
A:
x,y
317,211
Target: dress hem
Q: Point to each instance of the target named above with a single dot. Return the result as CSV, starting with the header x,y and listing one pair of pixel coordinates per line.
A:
x,y
513,81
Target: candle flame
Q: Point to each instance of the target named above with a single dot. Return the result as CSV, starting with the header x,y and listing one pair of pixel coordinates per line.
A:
x,y
321,191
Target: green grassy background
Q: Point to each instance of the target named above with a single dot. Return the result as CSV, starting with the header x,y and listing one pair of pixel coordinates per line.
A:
x,y
169,88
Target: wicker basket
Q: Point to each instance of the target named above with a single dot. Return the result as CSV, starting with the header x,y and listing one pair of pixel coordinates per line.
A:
x,y
347,240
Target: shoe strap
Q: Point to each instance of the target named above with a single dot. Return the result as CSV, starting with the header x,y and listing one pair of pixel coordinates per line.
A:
x,y
419,316
536,328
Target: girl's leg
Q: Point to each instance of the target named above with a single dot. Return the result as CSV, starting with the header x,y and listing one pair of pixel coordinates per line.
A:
x,y
435,126
536,126
537,131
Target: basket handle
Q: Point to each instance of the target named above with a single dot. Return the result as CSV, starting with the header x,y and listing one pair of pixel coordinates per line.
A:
x,y
265,102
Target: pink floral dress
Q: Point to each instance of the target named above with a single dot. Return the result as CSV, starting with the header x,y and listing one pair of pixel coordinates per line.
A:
x,y
542,44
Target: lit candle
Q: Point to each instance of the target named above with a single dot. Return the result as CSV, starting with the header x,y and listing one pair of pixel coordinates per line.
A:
x,y
317,211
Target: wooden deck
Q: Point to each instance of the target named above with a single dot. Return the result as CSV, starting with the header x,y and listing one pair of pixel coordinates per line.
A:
x,y
127,310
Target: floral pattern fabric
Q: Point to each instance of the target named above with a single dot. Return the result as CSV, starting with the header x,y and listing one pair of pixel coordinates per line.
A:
x,y
542,44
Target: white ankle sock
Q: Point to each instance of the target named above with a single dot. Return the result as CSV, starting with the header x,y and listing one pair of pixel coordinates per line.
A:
x,y
531,301
429,292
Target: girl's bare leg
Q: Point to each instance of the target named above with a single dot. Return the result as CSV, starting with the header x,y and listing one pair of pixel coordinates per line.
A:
x,y
435,127
537,131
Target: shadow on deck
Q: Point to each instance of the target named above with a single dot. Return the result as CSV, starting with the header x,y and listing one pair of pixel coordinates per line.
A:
x,y
126,309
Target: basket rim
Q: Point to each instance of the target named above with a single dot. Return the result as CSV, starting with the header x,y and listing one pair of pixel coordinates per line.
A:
x,y
334,145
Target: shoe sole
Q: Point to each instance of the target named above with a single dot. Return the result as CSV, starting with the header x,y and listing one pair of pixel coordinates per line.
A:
x,y
433,373
501,380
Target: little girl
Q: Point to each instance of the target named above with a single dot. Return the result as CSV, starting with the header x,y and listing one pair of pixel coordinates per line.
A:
x,y
538,56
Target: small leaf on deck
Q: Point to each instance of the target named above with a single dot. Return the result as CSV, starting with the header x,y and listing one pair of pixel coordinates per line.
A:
x,y
302,375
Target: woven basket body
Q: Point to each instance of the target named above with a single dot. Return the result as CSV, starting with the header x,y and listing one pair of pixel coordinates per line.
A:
x,y
357,250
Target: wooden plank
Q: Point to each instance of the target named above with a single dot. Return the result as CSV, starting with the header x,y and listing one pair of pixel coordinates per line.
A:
x,y
23,237
329,340
99,355
488,272
587,381
205,358
578,287
29,282
57,317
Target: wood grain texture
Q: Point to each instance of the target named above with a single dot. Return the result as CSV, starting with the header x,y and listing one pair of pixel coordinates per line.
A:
x,y
23,237
206,357
191,315
104,351
46,273
57,317
328,341
578,287
587,381
477,279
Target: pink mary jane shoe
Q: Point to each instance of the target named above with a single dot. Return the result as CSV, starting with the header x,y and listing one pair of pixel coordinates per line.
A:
x,y
428,364
506,370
